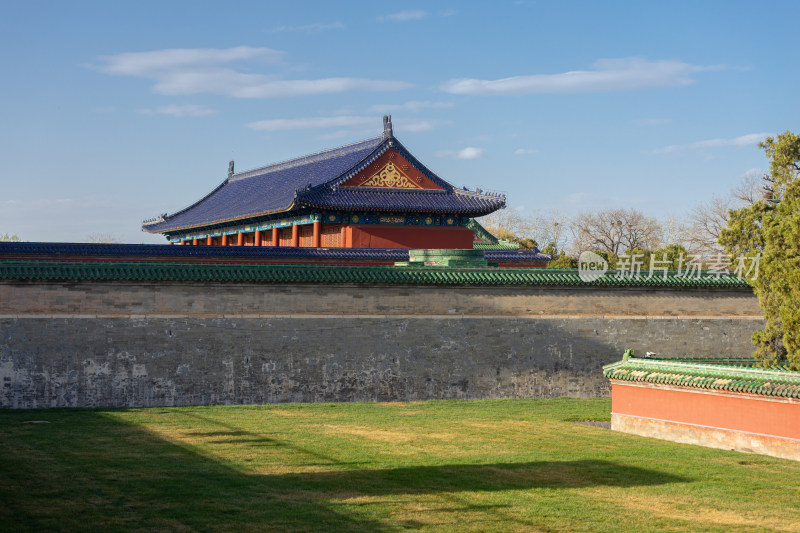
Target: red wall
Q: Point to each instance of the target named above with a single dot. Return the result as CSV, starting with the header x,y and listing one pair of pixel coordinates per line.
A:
x,y
408,237
715,409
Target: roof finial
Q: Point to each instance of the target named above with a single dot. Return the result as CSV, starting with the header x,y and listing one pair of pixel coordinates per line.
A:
x,y
387,126
230,169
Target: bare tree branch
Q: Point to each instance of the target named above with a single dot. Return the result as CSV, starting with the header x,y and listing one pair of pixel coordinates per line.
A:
x,y
614,231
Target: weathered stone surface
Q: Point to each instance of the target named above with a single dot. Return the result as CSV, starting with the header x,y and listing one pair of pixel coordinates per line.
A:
x,y
211,300
127,344
711,437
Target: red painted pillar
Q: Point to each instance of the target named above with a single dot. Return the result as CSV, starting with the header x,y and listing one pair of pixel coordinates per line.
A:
x,y
257,241
344,236
240,239
295,235
194,242
224,240
316,239
275,240
208,240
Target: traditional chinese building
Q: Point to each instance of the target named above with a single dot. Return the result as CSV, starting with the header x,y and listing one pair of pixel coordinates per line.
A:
x,y
715,402
371,194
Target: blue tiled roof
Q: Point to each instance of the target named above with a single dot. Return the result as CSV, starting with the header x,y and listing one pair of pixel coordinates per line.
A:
x,y
314,181
416,200
330,195
268,189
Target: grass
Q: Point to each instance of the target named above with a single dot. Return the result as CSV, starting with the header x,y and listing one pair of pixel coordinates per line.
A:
x,y
497,465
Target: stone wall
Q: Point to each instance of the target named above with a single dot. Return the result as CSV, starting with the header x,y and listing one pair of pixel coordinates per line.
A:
x,y
120,344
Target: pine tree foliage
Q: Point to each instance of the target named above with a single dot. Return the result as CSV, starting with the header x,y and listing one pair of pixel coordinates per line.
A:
x,y
771,227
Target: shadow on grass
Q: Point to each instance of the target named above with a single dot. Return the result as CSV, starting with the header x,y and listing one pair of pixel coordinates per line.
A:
x,y
87,471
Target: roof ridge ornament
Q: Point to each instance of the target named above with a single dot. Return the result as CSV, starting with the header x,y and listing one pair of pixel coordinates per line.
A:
x,y
387,127
230,169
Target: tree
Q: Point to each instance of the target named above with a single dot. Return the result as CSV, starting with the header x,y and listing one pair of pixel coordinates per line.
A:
x,y
670,256
559,259
772,227
708,220
108,238
550,227
505,224
7,237
545,227
615,231
562,260
525,243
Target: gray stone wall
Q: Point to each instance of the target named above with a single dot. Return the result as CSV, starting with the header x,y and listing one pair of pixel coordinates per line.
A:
x,y
127,344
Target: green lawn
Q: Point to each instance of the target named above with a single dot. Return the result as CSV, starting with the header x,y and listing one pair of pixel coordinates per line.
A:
x,y
504,465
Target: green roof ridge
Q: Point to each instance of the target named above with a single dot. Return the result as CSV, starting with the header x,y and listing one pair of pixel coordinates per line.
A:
x,y
53,269
481,232
703,374
501,245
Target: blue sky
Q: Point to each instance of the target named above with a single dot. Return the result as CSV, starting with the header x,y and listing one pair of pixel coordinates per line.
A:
x,y
114,112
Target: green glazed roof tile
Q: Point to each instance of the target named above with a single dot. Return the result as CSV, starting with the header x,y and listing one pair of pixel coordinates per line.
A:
x,y
501,245
739,375
309,273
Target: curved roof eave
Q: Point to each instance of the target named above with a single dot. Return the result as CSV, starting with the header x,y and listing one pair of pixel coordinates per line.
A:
x,y
320,163
464,211
243,217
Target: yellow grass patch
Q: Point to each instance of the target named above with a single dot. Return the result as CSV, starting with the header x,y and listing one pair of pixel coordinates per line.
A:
x,y
364,432
503,424
683,507
289,413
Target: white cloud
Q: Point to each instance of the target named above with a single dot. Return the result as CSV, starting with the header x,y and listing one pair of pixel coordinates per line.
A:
x,y
312,123
405,16
606,75
402,124
180,111
158,62
198,71
525,151
317,26
753,172
261,88
415,14
340,121
412,107
470,152
744,140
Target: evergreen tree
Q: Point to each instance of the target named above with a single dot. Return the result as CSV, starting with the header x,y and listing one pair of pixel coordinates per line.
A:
x,y
772,227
